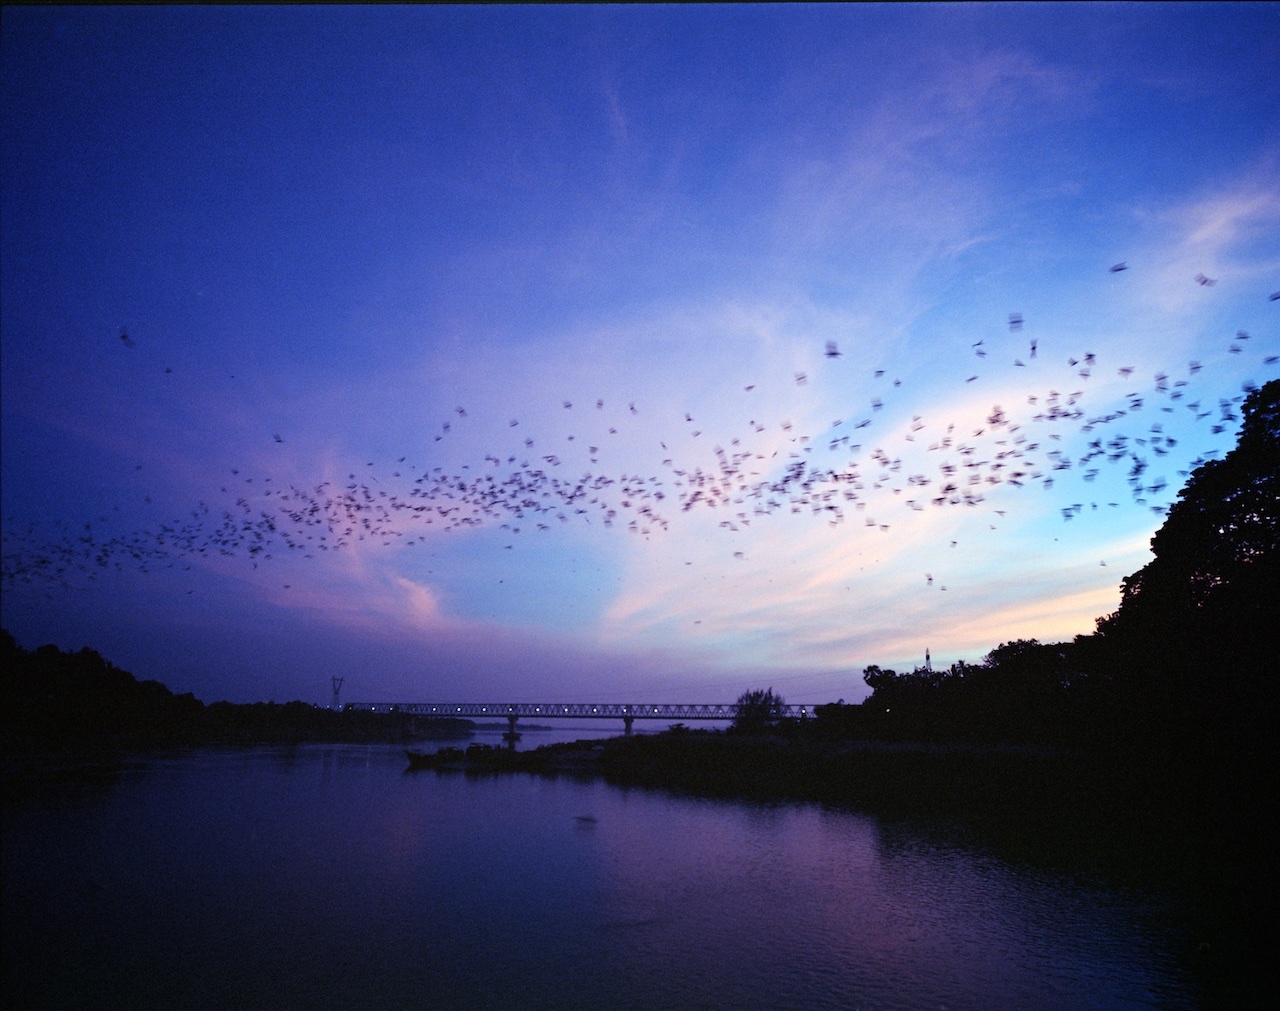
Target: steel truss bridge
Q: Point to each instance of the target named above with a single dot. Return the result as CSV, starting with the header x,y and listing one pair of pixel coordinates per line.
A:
x,y
627,712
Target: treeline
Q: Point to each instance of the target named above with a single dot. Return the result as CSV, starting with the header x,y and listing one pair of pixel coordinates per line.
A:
x,y
1186,660
1066,695
56,700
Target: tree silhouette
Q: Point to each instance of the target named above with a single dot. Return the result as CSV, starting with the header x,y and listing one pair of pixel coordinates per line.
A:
x,y
759,710
1207,597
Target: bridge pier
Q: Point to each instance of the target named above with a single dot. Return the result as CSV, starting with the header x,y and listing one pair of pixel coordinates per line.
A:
x,y
626,722
511,736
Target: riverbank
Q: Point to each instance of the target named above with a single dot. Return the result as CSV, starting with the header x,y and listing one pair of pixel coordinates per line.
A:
x,y
1080,799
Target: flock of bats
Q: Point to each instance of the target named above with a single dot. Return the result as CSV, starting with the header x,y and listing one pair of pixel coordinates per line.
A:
x,y
761,470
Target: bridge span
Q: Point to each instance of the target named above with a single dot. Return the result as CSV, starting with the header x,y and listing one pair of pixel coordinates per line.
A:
x,y
627,712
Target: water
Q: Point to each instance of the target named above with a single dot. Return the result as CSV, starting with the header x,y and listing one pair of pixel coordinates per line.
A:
x,y
534,735
328,877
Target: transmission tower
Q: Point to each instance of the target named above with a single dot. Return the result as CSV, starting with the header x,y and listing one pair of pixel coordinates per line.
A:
x,y
337,687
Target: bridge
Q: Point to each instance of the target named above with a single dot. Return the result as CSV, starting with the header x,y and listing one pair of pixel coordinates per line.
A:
x,y
627,712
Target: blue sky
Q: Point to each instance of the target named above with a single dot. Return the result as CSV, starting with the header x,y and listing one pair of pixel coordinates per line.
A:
x,y
545,295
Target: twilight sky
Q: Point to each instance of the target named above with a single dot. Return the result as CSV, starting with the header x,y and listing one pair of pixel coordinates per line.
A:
x,y
615,354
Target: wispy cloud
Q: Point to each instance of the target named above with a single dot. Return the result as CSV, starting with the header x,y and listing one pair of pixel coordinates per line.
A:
x,y
1225,234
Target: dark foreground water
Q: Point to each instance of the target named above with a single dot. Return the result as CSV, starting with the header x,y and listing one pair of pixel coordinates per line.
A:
x,y
327,877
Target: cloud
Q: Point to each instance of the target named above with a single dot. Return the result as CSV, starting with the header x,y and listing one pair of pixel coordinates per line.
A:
x,y
1225,232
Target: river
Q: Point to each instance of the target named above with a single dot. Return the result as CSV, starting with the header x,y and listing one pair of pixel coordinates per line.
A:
x,y
326,876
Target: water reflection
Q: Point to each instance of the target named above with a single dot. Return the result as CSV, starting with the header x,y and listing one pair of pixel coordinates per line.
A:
x,y
536,735
323,877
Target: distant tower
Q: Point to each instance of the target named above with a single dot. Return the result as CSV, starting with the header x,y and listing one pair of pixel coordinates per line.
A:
x,y
928,665
337,687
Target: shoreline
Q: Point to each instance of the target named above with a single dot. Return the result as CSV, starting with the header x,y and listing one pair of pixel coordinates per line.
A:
x,y
1168,815
1170,823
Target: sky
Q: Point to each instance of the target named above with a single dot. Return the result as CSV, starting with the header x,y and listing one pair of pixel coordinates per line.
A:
x,y
615,353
